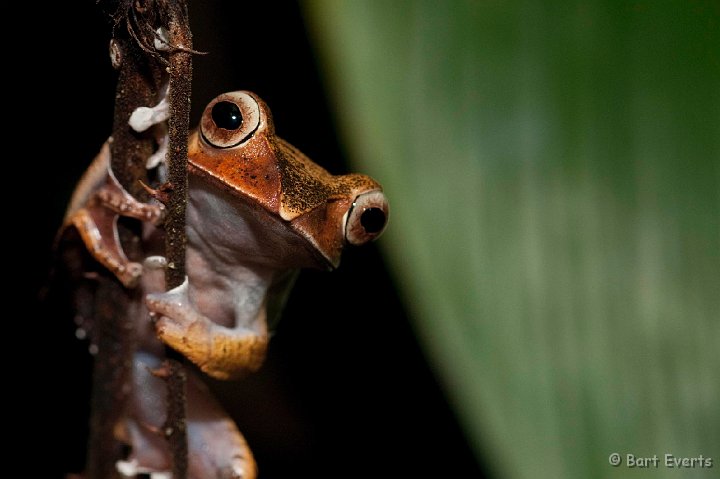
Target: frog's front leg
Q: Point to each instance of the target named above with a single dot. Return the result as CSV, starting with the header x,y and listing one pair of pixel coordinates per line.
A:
x,y
97,203
221,352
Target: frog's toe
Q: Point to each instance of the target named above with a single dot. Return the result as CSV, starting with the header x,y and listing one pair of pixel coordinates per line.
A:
x,y
129,274
159,305
172,303
170,330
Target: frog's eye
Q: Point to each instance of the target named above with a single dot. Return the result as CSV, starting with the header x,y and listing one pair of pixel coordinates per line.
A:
x,y
367,218
230,119
226,115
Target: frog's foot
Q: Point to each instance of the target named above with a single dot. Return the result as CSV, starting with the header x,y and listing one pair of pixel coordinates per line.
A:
x,y
98,230
223,353
179,325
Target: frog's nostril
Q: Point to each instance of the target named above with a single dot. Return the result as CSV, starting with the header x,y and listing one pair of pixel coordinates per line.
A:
x,y
373,220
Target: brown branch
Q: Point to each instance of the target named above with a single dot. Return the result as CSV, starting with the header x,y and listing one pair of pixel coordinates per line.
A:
x,y
180,69
178,127
112,374
139,84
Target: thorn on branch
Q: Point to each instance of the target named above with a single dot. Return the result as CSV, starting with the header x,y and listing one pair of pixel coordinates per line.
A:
x,y
161,193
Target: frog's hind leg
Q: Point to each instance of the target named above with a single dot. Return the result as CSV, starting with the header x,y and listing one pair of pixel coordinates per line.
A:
x,y
216,449
141,429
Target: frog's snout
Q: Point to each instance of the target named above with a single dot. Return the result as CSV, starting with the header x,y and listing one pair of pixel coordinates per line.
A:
x,y
366,218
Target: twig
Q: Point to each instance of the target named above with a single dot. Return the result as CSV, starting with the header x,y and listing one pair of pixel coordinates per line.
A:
x,y
115,344
180,69
138,84
178,126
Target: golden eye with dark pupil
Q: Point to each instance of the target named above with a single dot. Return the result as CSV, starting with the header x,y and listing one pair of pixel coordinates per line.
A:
x,y
227,115
373,220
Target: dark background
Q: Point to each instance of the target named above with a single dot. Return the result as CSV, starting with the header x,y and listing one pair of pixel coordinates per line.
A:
x,y
345,390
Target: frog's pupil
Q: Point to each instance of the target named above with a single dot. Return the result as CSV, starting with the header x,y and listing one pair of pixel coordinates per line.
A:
x,y
373,220
227,115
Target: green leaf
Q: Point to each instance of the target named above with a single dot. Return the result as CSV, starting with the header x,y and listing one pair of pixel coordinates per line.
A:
x,y
553,171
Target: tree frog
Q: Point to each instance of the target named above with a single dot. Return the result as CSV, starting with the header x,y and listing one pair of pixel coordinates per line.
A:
x,y
258,210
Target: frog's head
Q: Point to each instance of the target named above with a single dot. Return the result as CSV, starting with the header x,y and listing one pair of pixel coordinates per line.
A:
x,y
236,148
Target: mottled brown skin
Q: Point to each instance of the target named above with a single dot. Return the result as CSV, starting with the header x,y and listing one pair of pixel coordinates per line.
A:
x,y
257,210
